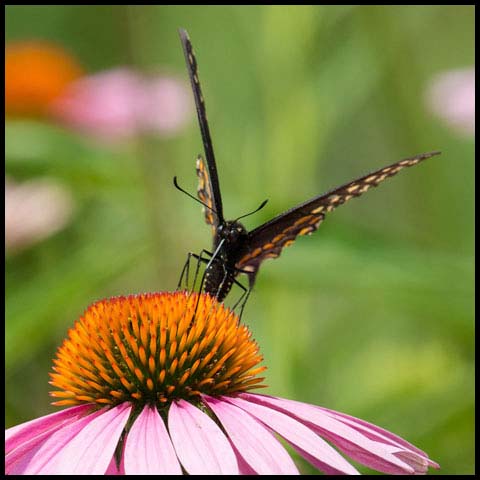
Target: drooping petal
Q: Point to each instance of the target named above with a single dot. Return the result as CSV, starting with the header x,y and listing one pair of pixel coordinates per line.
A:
x,y
322,466
25,440
200,444
371,431
297,434
407,452
17,461
19,434
148,448
257,446
377,455
90,451
43,456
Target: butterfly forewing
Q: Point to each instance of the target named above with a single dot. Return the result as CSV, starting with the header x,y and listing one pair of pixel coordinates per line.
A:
x,y
211,178
268,240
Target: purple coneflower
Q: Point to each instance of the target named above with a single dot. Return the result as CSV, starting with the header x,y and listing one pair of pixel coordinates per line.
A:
x,y
157,384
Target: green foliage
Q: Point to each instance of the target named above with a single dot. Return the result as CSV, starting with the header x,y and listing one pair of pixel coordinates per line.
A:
x,y
374,314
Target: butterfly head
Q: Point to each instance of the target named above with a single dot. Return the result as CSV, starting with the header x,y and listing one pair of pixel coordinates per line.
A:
x,y
231,231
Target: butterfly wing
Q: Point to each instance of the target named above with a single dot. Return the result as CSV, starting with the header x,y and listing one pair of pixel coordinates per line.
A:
x,y
209,188
268,240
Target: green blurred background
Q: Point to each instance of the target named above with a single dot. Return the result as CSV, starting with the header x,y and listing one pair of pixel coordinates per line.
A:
x,y
373,315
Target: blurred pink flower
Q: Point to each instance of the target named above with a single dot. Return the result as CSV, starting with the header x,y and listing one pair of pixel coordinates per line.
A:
x,y
166,106
34,210
119,104
451,96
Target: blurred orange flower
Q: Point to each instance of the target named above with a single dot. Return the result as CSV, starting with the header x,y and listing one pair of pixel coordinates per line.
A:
x,y
36,73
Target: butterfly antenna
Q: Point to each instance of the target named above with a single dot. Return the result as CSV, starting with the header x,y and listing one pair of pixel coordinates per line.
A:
x,y
255,211
178,187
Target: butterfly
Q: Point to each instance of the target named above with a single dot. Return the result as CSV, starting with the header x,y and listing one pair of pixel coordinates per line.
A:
x,y
236,250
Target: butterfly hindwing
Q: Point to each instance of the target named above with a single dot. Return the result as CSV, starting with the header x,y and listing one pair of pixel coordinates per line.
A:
x,y
268,240
205,194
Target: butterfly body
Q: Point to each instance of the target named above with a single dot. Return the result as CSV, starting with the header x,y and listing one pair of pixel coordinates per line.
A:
x,y
230,237
236,250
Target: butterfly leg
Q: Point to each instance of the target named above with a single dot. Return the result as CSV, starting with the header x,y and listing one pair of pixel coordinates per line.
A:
x,y
227,280
243,297
213,257
246,294
185,272
186,268
201,259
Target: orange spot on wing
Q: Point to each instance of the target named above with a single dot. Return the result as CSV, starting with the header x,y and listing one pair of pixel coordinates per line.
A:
x,y
305,230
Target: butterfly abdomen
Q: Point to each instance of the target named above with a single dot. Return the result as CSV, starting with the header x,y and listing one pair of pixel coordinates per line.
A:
x,y
218,281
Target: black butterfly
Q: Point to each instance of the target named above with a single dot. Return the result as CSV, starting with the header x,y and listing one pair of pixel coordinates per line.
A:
x,y
235,250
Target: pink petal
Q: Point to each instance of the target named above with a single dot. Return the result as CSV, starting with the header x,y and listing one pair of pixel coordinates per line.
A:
x,y
44,455
16,462
322,466
243,467
257,446
377,455
298,435
372,431
113,469
90,451
200,444
20,460
148,449
19,434
405,449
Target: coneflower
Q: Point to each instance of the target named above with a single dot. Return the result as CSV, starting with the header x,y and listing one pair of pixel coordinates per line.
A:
x,y
157,384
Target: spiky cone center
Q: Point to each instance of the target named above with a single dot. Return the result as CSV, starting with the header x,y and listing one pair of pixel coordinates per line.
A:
x,y
154,348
